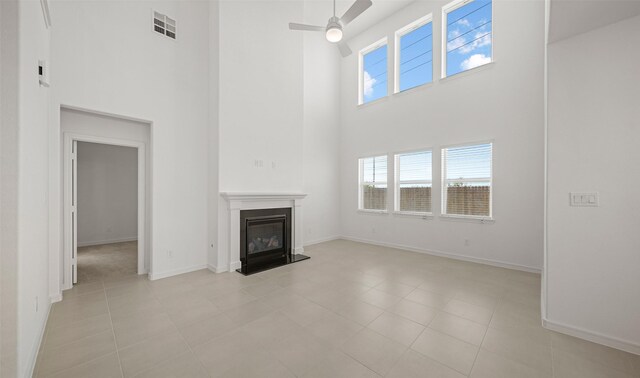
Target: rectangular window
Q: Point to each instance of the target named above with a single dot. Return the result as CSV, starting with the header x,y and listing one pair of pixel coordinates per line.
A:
x,y
467,180
373,72
467,34
414,55
373,183
413,182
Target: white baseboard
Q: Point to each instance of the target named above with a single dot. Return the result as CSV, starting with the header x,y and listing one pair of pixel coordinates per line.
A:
x,y
109,241
321,240
56,298
215,269
297,251
33,356
497,263
235,265
175,272
595,337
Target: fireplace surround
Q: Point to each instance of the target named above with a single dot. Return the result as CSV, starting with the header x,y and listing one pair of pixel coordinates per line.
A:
x,y
229,250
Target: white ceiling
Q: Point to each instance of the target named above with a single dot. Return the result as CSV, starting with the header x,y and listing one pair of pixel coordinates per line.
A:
x,y
572,17
323,9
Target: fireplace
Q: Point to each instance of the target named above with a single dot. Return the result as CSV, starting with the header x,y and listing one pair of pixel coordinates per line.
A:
x,y
265,239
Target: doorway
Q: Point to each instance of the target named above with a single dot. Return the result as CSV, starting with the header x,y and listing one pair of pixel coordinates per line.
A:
x,y
105,213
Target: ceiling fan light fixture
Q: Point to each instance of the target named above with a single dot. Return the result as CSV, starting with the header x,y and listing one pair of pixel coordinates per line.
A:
x,y
334,30
334,34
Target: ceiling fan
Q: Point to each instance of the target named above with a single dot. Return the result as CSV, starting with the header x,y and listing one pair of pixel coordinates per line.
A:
x,y
333,30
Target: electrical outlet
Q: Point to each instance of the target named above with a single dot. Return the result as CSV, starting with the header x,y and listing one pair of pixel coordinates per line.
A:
x,y
258,163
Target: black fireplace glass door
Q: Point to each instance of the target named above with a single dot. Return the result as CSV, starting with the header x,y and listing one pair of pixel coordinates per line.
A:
x,y
265,236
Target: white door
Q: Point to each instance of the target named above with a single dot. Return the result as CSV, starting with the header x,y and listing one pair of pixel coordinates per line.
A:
x,y
74,212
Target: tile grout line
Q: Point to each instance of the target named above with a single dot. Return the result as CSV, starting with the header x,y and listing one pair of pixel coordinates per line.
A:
x,y
83,338
553,373
484,336
113,332
42,350
179,333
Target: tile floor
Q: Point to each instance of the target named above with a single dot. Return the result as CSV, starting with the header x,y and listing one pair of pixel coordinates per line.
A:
x,y
353,310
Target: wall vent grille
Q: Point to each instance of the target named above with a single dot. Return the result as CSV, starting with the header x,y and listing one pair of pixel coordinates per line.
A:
x,y
164,25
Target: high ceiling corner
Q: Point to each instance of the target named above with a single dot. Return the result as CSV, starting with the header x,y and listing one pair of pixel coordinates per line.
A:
x,y
572,17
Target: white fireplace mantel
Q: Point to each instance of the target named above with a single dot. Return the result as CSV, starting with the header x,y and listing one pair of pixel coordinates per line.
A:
x,y
237,201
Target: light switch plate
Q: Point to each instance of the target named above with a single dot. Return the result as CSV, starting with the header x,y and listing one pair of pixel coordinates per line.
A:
x,y
584,199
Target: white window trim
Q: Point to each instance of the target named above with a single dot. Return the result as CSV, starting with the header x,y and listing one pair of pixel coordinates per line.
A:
x,y
362,183
361,54
397,182
444,181
396,59
445,11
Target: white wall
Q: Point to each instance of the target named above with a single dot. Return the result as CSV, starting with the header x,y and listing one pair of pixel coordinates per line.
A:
x,y
261,87
8,187
261,102
33,259
107,193
130,70
321,146
213,145
593,135
502,101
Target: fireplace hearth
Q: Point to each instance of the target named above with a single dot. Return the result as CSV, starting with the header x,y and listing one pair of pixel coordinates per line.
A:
x,y
265,240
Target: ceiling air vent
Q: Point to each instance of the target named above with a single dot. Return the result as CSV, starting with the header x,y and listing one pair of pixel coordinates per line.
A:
x,y
164,25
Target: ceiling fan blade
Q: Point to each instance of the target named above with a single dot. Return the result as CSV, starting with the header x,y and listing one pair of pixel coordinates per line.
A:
x,y
356,9
344,48
294,26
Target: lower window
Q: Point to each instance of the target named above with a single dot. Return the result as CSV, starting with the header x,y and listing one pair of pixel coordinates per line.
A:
x,y
467,180
413,182
373,183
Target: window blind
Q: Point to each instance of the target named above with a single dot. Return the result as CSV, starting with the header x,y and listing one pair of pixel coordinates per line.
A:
x,y
467,180
414,182
373,183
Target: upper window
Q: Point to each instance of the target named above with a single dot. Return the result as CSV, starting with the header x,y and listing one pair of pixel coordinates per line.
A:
x,y
413,182
373,183
467,180
373,72
467,35
414,55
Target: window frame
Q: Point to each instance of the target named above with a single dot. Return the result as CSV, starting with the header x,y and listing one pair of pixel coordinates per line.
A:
x,y
444,181
398,182
362,183
448,8
396,59
379,43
